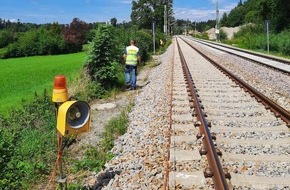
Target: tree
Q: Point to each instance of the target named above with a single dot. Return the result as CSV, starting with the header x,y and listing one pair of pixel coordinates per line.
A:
x,y
144,12
236,16
224,20
55,29
277,11
114,22
6,37
100,62
75,34
281,14
252,17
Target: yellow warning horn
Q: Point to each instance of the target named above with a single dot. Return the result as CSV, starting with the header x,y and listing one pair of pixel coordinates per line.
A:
x,y
73,118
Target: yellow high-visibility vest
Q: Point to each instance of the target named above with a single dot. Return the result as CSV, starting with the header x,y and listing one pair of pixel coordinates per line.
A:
x,y
132,55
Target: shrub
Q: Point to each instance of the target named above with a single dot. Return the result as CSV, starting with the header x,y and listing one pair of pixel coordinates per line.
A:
x,y
203,35
100,62
283,43
223,35
143,38
83,88
27,141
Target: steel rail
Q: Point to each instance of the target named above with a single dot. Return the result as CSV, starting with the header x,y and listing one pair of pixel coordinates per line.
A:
x,y
267,102
284,61
215,167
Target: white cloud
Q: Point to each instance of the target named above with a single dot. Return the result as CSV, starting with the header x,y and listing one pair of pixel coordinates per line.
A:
x,y
194,14
202,14
10,19
127,1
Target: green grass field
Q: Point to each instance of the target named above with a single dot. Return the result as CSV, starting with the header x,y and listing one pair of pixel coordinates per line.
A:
x,y
20,78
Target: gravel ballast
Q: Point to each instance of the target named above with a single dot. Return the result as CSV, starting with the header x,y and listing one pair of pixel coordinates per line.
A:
x,y
140,153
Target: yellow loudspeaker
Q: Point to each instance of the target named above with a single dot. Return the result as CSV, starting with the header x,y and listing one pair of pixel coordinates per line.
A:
x,y
73,118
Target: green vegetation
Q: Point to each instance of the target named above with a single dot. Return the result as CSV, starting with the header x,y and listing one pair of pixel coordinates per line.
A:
x,y
101,62
249,38
96,157
21,77
25,39
28,143
257,12
253,14
145,11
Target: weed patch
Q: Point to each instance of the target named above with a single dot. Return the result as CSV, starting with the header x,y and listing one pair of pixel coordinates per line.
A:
x,y
27,143
95,157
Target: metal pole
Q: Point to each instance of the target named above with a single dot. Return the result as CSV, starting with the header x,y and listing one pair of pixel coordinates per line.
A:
x,y
217,22
153,30
195,29
268,38
165,18
62,180
187,27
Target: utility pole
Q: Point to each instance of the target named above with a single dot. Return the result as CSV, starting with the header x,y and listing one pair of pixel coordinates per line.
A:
x,y
153,31
268,35
165,17
186,28
195,28
217,31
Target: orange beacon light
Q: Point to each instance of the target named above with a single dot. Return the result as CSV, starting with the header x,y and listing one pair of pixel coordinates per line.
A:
x,y
59,94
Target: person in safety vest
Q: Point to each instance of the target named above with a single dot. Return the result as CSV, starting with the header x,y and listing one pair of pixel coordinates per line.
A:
x,y
132,58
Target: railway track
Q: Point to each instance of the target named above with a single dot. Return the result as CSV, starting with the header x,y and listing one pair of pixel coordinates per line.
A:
x,y
277,63
237,141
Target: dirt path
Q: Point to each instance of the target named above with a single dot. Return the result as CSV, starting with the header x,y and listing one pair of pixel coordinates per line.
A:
x,y
103,111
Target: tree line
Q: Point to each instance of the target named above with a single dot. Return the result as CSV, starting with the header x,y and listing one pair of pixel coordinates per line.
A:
x,y
257,12
253,15
26,39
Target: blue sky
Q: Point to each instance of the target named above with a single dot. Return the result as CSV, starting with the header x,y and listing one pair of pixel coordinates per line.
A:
x,y
63,11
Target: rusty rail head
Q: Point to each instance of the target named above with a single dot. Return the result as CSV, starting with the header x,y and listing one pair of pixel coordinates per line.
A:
x,y
218,177
268,103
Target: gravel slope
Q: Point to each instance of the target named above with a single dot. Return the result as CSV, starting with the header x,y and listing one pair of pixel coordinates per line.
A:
x,y
140,153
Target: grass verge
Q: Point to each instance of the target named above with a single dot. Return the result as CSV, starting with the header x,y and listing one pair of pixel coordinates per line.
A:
x,y
21,77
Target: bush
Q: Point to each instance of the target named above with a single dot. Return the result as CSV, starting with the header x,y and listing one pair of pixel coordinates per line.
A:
x,y
203,35
100,62
36,42
28,138
143,38
223,35
283,43
144,43
254,38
